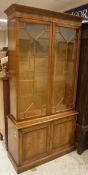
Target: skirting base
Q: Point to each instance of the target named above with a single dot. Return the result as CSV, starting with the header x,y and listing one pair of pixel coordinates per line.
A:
x,y
30,165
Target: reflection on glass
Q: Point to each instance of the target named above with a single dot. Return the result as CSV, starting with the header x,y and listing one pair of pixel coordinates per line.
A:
x,y
65,54
33,69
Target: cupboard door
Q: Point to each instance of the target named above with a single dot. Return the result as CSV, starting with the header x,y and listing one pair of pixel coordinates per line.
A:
x,y
64,69
35,142
63,133
33,69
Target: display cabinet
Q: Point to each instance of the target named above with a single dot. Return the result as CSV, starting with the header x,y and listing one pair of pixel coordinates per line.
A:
x,y
43,68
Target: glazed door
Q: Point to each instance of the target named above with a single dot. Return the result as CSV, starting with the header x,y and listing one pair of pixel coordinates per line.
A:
x,y
34,42
47,69
64,70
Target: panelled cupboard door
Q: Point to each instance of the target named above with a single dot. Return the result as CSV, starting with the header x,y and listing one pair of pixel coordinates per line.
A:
x,y
35,142
63,134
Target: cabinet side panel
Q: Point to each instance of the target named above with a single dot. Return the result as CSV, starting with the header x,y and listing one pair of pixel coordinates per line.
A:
x,y
13,140
2,127
12,65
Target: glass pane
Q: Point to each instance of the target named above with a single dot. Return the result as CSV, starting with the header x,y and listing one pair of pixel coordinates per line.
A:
x,y
65,54
33,69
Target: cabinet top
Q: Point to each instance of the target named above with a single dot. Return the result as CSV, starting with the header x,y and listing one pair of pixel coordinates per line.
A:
x,y
37,11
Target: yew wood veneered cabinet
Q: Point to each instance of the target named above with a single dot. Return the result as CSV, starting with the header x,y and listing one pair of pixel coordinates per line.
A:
x,y
43,68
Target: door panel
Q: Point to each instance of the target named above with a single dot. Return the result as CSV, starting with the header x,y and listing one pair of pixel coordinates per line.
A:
x,y
64,69
63,133
35,142
33,69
